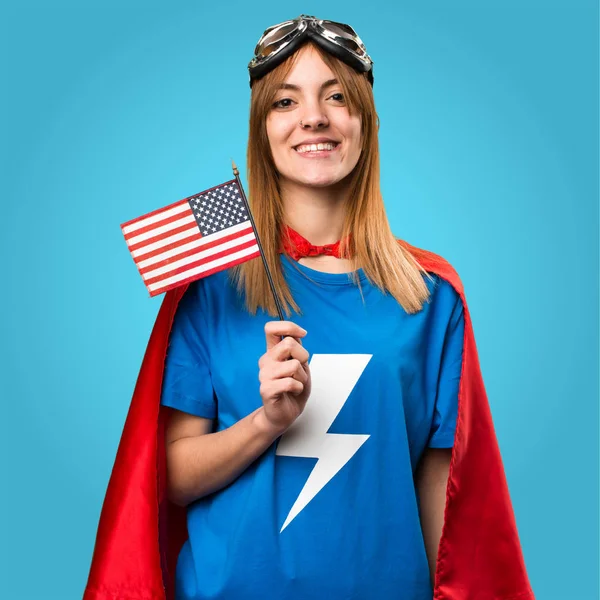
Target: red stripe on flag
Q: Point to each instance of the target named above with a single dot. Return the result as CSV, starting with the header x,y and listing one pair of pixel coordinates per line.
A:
x,y
228,265
196,250
154,212
186,240
162,236
200,261
161,223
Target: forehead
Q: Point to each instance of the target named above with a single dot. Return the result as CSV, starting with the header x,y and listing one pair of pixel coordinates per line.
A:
x,y
308,69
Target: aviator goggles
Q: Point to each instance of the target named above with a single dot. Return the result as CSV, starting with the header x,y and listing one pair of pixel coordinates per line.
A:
x,y
281,40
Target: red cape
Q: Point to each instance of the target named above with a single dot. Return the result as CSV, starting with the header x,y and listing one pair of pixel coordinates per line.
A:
x,y
140,532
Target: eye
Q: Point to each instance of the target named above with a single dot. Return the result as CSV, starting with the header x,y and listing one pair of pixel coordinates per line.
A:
x,y
283,103
338,97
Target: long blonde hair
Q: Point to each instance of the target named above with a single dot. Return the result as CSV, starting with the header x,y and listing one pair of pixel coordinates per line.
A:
x,y
386,262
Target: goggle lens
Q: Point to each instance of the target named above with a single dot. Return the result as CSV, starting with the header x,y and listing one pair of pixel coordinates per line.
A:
x,y
339,29
345,36
272,40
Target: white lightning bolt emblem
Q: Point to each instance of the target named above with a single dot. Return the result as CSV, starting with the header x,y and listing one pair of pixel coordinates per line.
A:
x,y
333,377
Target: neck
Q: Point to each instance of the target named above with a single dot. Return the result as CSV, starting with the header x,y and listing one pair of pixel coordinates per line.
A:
x,y
316,213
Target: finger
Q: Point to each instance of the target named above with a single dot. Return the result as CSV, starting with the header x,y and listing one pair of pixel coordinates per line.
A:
x,y
276,387
288,348
291,386
290,368
274,330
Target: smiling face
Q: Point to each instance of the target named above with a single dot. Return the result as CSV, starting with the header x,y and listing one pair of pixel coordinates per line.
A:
x,y
314,140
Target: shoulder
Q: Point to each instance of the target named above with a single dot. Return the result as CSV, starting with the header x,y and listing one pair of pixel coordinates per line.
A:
x,y
190,296
207,285
435,265
213,294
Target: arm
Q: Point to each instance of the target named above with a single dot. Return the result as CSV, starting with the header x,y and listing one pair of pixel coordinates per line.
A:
x,y
199,462
431,475
431,479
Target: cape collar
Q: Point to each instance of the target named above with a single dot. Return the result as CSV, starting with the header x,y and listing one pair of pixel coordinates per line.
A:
x,y
298,247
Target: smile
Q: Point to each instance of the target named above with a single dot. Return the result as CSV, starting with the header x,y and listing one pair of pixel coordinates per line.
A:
x,y
321,149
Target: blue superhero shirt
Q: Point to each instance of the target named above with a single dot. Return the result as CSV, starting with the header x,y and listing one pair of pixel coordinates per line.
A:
x,y
330,509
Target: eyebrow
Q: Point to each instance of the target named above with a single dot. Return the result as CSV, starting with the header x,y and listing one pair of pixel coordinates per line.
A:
x,y
291,86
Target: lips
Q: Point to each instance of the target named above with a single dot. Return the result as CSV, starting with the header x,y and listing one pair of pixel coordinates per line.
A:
x,y
316,147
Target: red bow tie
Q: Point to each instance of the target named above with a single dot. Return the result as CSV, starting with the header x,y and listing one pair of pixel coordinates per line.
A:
x,y
297,246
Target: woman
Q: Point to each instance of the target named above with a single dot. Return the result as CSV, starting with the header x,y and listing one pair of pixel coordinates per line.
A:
x,y
312,455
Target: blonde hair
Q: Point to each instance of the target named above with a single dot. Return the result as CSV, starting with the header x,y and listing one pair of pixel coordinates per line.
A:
x,y
388,264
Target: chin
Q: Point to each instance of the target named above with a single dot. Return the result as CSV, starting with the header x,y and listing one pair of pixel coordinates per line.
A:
x,y
319,183
319,180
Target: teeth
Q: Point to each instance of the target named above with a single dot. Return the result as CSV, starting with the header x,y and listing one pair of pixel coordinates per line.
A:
x,y
315,147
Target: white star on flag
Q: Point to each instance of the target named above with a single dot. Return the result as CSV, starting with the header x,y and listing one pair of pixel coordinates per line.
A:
x,y
175,245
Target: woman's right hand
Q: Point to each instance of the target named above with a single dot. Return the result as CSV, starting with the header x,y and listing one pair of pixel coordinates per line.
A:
x,y
284,375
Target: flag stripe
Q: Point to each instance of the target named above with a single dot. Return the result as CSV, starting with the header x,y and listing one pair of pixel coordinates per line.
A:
x,y
190,228
166,273
182,249
177,240
159,223
219,265
153,217
186,219
172,237
162,245
194,257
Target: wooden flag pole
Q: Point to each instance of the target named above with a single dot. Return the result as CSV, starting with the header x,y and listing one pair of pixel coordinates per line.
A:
x,y
262,254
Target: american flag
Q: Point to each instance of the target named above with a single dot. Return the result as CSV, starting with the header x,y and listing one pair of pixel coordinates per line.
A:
x,y
192,238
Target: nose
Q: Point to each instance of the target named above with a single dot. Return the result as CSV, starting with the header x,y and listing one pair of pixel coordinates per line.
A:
x,y
314,118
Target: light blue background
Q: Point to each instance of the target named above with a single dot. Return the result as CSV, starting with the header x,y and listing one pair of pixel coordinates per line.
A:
x,y
489,142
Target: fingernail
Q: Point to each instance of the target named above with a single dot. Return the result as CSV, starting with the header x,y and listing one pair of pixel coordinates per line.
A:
x,y
303,330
